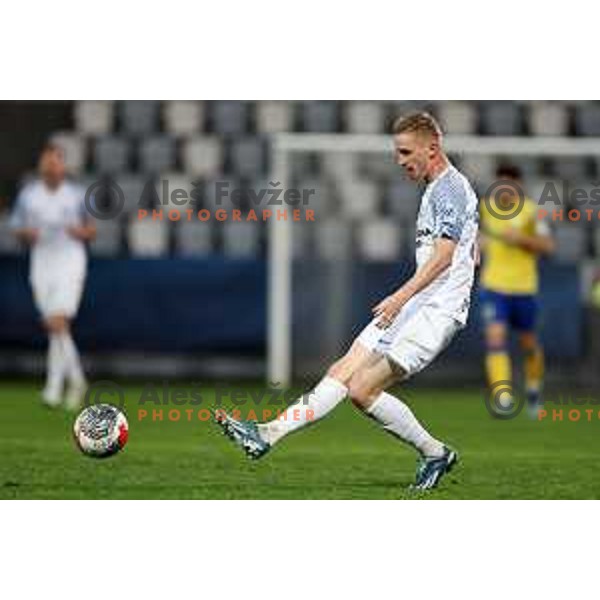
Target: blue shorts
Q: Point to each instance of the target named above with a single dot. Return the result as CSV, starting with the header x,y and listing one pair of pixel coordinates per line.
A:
x,y
516,311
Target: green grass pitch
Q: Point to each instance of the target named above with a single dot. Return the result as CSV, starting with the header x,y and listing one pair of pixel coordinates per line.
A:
x,y
345,456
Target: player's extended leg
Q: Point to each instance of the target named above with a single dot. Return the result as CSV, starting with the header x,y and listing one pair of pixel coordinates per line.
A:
x,y
326,395
534,369
367,391
257,439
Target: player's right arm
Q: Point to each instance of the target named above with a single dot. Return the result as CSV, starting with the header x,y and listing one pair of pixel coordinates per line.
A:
x,y
19,221
438,262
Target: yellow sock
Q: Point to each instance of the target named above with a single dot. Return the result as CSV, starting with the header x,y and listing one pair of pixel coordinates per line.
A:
x,y
534,369
498,367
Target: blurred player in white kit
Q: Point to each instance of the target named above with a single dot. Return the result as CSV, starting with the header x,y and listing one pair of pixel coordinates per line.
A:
x,y
51,218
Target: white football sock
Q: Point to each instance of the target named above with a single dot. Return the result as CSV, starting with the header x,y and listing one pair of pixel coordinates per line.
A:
x,y
394,416
72,361
309,408
55,368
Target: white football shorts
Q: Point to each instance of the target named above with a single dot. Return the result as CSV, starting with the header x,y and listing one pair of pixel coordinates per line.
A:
x,y
416,336
57,293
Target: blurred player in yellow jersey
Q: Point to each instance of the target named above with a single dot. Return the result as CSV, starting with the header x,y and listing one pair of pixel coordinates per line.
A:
x,y
511,246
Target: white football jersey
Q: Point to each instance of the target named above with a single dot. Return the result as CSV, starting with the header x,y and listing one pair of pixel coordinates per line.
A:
x,y
449,208
52,212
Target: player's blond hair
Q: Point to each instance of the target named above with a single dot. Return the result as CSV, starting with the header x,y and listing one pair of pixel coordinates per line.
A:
x,y
417,122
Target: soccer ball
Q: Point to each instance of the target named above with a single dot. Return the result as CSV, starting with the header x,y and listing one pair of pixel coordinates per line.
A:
x,y
101,430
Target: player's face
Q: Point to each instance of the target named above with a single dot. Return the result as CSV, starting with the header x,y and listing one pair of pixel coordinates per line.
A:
x,y
414,153
52,166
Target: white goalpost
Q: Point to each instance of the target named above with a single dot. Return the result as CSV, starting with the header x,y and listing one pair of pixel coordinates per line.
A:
x,y
284,146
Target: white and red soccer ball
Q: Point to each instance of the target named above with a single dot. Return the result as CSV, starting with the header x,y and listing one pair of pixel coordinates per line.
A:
x,y
101,430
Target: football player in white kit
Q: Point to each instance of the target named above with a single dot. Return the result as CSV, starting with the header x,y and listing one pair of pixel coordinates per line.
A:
x,y
50,217
411,326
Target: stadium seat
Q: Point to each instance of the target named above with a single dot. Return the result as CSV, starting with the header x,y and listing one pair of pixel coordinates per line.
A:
x,y
274,116
248,157
139,117
402,198
306,164
229,117
458,117
320,116
202,156
94,117
138,191
105,195
596,241
396,108
570,168
529,165
255,198
168,184
570,241
379,167
111,155
183,117
223,186
359,198
8,242
339,166
157,153
548,118
364,117
241,239
479,168
501,118
108,238
147,238
408,235
132,186
544,191
320,196
379,240
333,240
194,238
587,119
74,148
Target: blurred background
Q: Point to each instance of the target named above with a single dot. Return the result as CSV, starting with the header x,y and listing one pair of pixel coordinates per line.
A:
x,y
189,299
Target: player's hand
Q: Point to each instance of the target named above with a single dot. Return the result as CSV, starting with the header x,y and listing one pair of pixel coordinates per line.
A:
x,y
79,232
388,309
30,235
512,236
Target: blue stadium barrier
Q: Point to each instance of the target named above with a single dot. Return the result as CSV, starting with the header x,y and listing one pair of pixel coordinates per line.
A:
x,y
219,305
